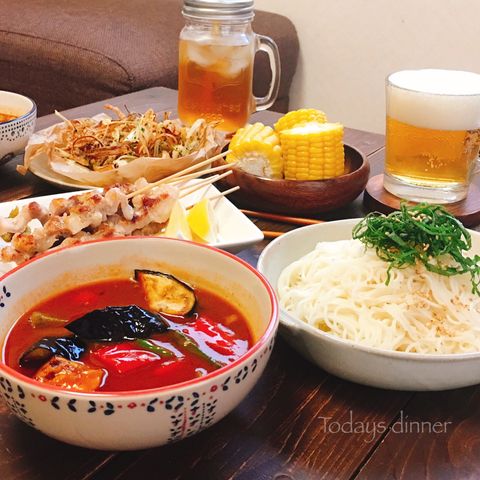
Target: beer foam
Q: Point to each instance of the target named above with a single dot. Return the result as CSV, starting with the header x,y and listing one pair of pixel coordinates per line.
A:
x,y
436,99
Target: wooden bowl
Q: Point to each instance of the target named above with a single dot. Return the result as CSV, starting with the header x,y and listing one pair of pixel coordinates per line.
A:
x,y
303,197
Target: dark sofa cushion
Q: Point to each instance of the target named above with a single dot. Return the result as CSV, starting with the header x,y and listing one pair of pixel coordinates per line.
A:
x,y
64,54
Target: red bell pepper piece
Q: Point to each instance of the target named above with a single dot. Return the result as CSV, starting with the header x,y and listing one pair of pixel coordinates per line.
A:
x,y
124,357
214,336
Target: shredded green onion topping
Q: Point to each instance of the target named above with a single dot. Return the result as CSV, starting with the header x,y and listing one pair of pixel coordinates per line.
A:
x,y
421,233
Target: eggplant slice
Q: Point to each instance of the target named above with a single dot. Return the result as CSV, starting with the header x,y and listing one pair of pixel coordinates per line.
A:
x,y
70,348
165,293
114,324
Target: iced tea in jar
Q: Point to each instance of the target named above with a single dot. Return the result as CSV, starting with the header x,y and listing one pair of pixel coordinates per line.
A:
x,y
217,51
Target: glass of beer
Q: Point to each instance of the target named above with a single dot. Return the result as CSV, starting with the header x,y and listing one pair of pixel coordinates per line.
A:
x,y
215,75
433,134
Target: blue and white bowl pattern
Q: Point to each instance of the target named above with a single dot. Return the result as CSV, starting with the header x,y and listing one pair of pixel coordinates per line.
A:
x,y
15,133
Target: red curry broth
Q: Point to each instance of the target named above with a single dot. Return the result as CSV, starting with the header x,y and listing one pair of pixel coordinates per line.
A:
x,y
218,328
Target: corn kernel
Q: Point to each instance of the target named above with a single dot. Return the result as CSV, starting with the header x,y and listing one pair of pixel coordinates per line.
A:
x,y
257,149
300,117
313,151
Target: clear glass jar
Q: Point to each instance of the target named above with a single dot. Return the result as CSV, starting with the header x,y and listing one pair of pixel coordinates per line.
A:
x,y
217,51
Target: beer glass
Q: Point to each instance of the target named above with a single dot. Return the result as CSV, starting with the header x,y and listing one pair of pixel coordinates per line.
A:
x,y
432,134
215,73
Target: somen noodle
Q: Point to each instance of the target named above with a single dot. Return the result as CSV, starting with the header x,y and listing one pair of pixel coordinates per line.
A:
x,y
340,288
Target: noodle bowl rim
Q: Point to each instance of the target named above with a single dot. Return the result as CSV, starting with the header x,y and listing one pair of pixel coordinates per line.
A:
x,y
376,350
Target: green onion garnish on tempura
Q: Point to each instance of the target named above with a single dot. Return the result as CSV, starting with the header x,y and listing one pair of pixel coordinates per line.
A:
x,y
421,233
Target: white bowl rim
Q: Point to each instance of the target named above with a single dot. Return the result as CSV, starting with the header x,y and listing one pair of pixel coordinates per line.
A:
x,y
21,117
261,342
438,358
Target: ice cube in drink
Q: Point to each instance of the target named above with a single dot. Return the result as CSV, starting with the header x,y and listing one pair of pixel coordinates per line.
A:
x,y
215,82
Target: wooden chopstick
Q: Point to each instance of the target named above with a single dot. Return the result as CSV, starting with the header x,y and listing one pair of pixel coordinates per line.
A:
x,y
270,234
281,218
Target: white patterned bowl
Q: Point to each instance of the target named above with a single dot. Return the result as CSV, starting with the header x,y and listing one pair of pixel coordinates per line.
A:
x,y
14,134
147,418
369,366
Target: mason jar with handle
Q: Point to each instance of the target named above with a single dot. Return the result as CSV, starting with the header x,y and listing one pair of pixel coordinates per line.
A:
x,y
217,52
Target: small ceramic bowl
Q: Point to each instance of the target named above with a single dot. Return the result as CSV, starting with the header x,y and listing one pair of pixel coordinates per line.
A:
x,y
144,418
302,197
14,134
369,366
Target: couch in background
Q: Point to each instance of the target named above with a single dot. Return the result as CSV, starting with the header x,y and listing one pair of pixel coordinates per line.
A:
x,y
64,53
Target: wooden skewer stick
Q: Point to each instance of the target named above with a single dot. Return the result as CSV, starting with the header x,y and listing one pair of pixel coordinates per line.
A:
x,y
224,193
185,189
65,119
282,218
183,172
207,181
198,185
191,176
218,196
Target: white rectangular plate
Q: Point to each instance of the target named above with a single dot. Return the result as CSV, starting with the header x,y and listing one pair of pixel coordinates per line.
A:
x,y
235,231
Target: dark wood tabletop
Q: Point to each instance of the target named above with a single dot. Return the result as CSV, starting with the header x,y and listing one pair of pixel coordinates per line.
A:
x,y
297,423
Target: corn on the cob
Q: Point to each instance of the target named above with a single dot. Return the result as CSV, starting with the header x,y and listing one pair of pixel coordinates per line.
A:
x,y
313,151
257,149
300,117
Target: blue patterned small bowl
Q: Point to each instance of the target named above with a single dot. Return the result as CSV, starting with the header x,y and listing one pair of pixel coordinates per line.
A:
x,y
15,133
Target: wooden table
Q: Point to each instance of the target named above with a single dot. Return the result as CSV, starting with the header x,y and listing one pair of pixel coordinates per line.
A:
x,y
297,423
